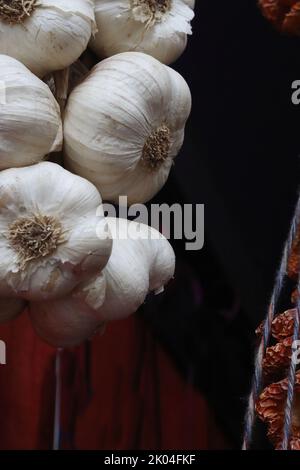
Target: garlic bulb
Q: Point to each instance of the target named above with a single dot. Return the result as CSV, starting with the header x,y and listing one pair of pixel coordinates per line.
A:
x,y
51,237
124,125
10,309
156,27
30,123
69,321
45,35
142,260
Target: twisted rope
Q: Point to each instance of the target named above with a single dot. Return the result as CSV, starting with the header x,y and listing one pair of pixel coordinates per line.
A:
x,y
290,385
257,377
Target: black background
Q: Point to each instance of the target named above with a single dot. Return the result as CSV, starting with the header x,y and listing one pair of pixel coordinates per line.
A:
x,y
243,143
240,159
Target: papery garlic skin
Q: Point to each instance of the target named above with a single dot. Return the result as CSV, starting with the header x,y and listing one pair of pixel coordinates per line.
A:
x,y
30,122
156,27
69,321
10,309
54,35
124,125
142,261
52,232
190,3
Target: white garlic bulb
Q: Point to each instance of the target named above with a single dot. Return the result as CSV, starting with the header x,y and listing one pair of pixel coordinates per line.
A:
x,y
124,125
155,27
142,260
30,122
45,35
10,309
69,321
51,235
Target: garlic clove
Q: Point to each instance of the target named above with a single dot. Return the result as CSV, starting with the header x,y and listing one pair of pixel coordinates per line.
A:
x,y
10,309
51,236
30,119
124,125
155,27
51,37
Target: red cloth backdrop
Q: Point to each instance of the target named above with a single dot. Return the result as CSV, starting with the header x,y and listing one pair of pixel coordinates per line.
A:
x,y
119,391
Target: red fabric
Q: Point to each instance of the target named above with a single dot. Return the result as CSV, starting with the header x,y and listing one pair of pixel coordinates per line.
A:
x,y
121,391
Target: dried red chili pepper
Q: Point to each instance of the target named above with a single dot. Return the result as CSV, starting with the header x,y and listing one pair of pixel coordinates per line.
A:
x,y
270,408
282,325
283,14
293,266
277,359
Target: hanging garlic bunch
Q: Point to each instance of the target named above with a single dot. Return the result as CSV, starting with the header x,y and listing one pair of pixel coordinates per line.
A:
x,y
69,321
142,261
30,123
10,309
156,27
124,125
51,238
45,35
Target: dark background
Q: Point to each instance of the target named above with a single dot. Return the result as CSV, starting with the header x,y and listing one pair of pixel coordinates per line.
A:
x,y
240,159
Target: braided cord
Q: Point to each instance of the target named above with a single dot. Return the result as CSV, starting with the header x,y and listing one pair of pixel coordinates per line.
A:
x,y
291,384
257,377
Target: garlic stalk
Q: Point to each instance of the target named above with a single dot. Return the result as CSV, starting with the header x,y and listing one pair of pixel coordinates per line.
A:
x,y
51,237
30,122
142,261
10,309
45,35
156,27
124,125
